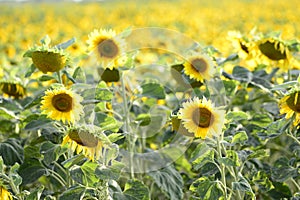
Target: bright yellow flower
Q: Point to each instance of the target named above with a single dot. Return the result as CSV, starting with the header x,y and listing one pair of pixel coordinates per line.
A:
x,y
202,118
108,47
199,67
62,104
290,105
83,140
4,194
13,89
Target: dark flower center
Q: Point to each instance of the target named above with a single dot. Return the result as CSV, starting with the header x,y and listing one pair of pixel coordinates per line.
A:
x,y
293,102
199,64
202,117
108,48
83,138
272,50
62,102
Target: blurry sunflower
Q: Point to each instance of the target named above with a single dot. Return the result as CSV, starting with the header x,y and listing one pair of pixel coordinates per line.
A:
x,y
84,140
4,194
290,105
202,118
245,49
48,59
273,51
13,89
199,67
62,104
109,48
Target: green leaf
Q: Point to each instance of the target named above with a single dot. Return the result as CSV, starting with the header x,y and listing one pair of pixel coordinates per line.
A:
x,y
37,124
153,90
283,173
111,153
206,189
115,137
65,44
30,70
136,189
46,77
242,74
144,119
258,154
236,116
79,75
6,114
88,169
239,137
107,122
231,158
110,172
75,160
285,85
243,185
230,87
205,158
281,191
275,129
77,174
262,181
73,193
16,178
11,151
31,170
36,194
169,181
51,152
261,119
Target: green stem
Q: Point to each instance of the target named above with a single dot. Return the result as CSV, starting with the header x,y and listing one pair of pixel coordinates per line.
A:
x,y
59,77
127,124
222,167
295,139
57,177
296,184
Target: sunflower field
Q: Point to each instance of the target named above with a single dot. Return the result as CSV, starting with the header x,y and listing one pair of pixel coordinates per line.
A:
x,y
142,100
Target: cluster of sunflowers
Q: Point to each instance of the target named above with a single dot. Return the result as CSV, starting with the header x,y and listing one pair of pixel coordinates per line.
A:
x,y
151,114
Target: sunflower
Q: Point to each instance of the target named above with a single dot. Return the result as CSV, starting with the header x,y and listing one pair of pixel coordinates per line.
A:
x,y
84,140
108,47
245,48
199,67
62,104
202,118
4,194
290,105
46,58
273,51
13,89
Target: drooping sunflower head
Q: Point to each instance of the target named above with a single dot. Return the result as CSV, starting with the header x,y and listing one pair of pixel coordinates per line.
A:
x,y
62,104
290,105
46,58
273,48
108,47
199,67
202,118
4,194
13,89
84,140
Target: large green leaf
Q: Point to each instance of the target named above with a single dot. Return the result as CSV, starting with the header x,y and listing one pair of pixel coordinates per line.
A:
x,y
111,172
243,185
137,189
154,90
11,151
76,192
169,181
231,158
206,189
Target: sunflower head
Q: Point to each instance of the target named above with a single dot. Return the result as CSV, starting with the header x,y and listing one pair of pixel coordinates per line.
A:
x,y
290,105
84,140
108,47
4,194
199,67
62,104
13,89
273,48
48,59
201,118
